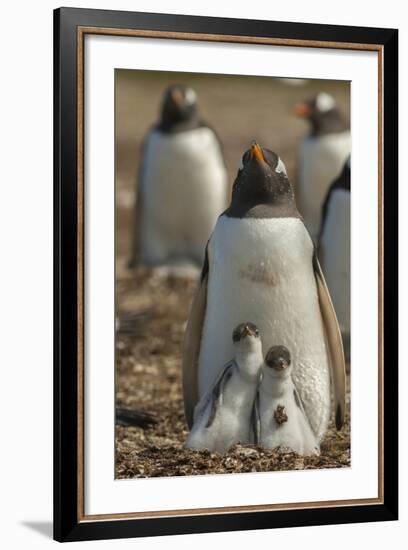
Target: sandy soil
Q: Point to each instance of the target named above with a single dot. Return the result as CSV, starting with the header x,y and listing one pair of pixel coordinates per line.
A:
x,y
152,308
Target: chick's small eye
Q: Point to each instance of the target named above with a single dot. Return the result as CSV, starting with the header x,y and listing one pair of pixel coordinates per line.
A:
x,y
256,332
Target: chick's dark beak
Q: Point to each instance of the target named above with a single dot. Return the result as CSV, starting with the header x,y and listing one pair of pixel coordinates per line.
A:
x,y
281,365
256,152
246,331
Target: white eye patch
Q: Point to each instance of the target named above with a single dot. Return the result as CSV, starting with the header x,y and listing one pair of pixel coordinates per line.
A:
x,y
241,164
324,102
281,168
190,97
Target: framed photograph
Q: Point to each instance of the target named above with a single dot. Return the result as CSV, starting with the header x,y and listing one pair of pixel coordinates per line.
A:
x,y
225,274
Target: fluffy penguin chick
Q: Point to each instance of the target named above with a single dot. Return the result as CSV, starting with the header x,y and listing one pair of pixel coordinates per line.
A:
x,y
223,415
182,185
281,420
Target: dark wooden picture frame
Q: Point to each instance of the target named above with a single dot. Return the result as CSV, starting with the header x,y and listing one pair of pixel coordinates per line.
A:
x,y
70,27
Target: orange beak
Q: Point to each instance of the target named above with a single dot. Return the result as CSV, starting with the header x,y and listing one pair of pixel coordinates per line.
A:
x,y
302,110
256,152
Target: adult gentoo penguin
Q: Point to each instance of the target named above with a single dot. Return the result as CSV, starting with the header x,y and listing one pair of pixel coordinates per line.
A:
x,y
261,265
280,417
182,185
321,156
223,415
334,249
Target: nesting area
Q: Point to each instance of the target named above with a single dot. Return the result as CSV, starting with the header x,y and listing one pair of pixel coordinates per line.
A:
x,y
152,313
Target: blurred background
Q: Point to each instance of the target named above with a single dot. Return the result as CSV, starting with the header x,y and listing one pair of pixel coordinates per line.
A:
x,y
239,108
152,308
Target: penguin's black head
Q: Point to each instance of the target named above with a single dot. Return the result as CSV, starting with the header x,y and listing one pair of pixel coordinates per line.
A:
x,y
278,358
261,180
243,330
322,113
179,106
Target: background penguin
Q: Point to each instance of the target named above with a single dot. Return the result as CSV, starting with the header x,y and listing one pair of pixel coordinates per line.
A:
x,y
223,415
321,156
280,417
182,185
334,249
261,265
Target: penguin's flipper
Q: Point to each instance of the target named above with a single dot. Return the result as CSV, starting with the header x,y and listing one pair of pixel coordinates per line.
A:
x,y
298,400
335,344
213,397
256,420
217,391
299,404
192,344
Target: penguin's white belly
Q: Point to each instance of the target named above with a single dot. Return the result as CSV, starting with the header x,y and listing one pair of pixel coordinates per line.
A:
x,y
295,433
231,424
320,162
261,271
184,190
335,252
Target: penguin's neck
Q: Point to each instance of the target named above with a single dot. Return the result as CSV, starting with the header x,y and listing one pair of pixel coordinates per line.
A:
x,y
169,125
276,384
249,364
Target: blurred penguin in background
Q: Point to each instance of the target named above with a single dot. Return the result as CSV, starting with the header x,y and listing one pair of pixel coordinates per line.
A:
x,y
321,156
334,249
182,185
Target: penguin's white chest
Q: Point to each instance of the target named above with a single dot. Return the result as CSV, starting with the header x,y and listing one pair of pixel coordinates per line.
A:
x,y
184,190
320,162
282,422
335,254
261,271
